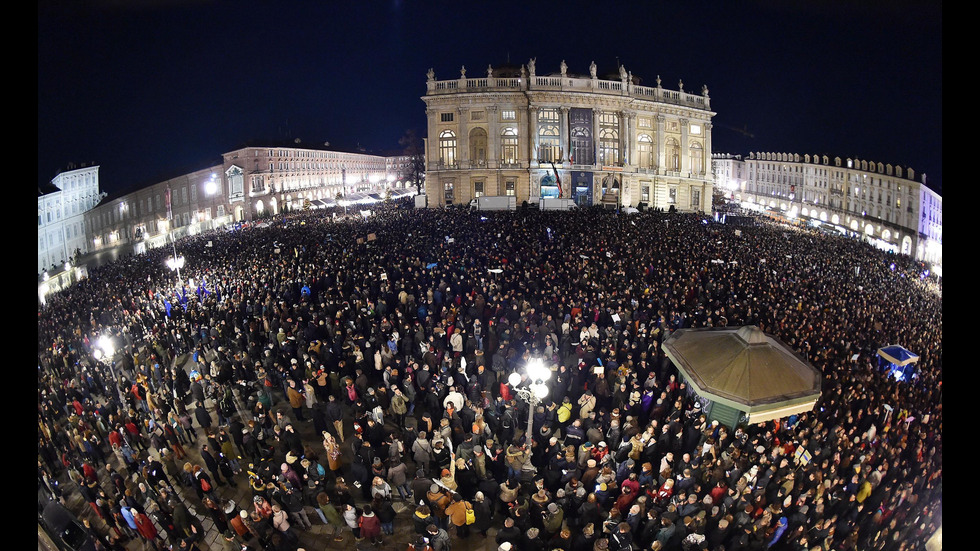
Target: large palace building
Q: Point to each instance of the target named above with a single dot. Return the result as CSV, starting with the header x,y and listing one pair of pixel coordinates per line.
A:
x,y
605,141
882,203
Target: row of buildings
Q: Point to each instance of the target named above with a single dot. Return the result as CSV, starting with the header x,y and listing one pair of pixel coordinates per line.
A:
x,y
607,141
884,204
75,218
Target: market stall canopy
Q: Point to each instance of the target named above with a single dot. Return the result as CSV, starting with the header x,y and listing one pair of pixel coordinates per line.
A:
x,y
745,369
898,355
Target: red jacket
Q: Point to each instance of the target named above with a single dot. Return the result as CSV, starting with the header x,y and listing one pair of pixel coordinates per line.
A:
x,y
370,526
145,526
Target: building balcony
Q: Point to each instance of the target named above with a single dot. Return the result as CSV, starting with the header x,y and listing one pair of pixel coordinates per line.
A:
x,y
567,84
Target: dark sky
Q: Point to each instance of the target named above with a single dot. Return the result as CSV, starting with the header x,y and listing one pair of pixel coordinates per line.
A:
x,y
153,89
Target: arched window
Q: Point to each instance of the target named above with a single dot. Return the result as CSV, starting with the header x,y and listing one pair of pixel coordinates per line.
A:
x,y
548,143
582,151
645,144
447,148
508,146
673,155
697,158
478,146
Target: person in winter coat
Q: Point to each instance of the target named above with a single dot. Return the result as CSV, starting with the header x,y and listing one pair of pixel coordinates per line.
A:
x,y
398,478
353,520
332,515
386,515
456,511
370,526
483,512
280,520
422,451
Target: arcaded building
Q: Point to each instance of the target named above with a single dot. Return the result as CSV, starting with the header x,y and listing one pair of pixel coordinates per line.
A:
x,y
885,204
598,140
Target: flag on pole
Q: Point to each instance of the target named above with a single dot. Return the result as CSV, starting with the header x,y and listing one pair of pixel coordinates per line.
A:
x,y
557,179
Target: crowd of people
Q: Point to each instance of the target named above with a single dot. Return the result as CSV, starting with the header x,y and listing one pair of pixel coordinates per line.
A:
x,y
354,373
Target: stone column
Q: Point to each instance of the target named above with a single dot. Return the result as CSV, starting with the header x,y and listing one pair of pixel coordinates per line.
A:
x,y
706,128
659,144
631,138
431,156
462,140
564,140
493,140
532,131
624,156
596,113
685,152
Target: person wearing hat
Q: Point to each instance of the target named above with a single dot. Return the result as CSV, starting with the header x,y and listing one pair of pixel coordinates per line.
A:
x,y
419,544
552,519
237,520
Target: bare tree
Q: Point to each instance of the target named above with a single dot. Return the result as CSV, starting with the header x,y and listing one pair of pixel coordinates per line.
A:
x,y
413,149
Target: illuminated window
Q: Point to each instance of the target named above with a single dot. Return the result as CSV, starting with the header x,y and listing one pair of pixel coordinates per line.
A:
x,y
508,115
447,148
508,146
673,155
609,139
697,158
548,144
645,146
511,187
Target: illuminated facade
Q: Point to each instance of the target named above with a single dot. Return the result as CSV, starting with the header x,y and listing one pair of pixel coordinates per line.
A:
x,y
60,209
611,142
249,184
262,180
883,203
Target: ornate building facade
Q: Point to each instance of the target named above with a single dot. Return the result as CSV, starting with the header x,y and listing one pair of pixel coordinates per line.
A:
x,y
595,140
885,204
250,183
263,179
60,209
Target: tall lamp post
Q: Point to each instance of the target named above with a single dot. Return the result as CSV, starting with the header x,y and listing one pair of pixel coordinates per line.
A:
x,y
175,263
211,188
534,392
105,351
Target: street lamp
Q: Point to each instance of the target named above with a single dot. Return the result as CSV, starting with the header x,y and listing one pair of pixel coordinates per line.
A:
x,y
211,188
105,351
175,263
536,390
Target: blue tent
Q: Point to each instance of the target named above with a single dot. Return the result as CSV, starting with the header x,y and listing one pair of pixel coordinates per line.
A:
x,y
899,361
898,355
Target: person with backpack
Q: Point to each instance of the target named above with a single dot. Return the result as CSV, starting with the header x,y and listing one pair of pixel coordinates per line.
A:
x,y
461,515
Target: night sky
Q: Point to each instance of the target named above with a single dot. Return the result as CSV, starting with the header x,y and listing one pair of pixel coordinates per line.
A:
x,y
153,89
